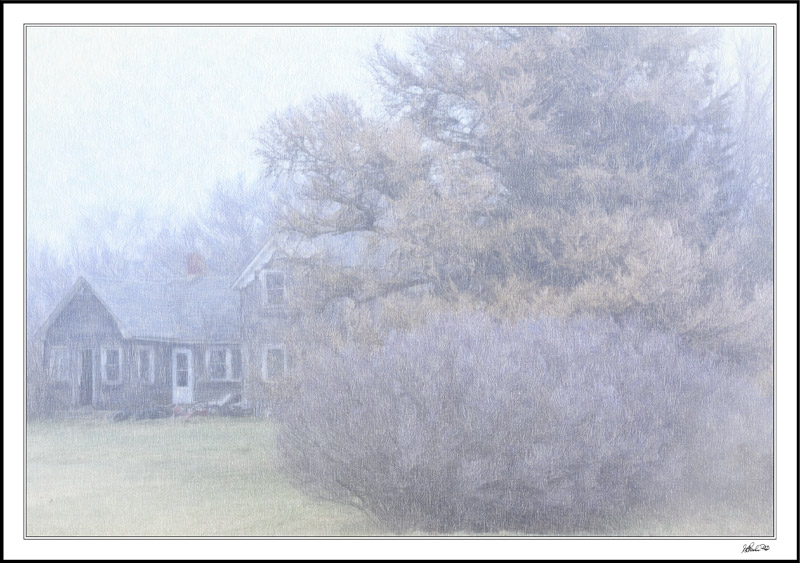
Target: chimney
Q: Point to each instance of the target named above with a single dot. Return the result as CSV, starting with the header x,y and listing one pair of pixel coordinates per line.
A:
x,y
195,265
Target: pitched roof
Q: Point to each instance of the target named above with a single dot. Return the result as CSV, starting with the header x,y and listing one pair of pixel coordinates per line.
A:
x,y
204,309
263,257
349,249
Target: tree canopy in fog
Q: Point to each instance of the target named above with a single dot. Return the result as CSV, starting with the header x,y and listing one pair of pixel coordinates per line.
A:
x,y
549,171
589,180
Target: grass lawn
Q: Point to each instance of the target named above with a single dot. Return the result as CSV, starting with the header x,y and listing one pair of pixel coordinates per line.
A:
x,y
203,477
215,477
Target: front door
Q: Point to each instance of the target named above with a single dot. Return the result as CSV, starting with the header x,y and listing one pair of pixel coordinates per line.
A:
x,y
181,376
85,394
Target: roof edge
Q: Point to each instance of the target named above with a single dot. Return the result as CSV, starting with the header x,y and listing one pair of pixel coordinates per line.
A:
x,y
60,307
120,327
81,282
262,257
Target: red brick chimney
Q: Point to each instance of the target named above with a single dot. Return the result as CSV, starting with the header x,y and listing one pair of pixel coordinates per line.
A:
x,y
195,265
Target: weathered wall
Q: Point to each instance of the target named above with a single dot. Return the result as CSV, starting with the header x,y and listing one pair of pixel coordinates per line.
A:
x,y
263,325
84,320
208,389
85,324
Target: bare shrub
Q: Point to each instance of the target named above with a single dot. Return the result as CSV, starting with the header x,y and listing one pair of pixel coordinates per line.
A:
x,y
43,397
544,427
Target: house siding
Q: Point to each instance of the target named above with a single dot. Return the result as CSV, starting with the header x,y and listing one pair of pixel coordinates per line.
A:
x,y
86,324
208,389
262,325
84,320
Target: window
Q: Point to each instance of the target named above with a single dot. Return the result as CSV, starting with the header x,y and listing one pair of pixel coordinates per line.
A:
x,y
146,364
111,365
59,363
273,362
218,363
274,285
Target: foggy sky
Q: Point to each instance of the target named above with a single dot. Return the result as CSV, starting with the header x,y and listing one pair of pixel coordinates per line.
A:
x,y
130,128
130,125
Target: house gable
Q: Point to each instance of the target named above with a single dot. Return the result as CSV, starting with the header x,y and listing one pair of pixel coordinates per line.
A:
x,y
110,343
81,315
85,317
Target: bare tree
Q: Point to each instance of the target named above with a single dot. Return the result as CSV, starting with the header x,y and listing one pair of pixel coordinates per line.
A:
x,y
587,182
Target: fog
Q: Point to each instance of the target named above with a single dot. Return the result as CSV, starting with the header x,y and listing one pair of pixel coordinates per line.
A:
x,y
473,280
142,122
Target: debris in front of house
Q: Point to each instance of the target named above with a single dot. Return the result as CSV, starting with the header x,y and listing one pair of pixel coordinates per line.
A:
x,y
230,405
154,411
119,416
219,407
188,411
239,409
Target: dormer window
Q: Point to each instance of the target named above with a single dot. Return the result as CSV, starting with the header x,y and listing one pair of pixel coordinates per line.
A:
x,y
273,284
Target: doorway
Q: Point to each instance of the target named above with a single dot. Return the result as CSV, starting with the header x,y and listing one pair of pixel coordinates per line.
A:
x,y
182,380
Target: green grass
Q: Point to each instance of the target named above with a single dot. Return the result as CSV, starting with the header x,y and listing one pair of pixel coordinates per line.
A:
x,y
212,477
204,477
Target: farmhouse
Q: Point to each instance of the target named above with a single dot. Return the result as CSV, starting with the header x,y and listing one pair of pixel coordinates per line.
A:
x,y
124,344
116,344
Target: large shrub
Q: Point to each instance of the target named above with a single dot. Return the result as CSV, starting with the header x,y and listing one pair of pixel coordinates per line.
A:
x,y
551,427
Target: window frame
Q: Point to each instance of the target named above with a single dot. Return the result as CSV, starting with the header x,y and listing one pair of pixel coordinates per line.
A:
x,y
265,376
182,394
189,367
262,277
62,352
228,363
151,351
104,365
